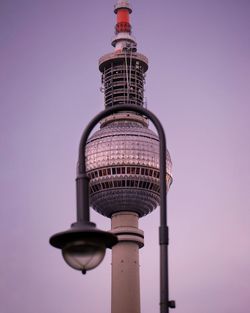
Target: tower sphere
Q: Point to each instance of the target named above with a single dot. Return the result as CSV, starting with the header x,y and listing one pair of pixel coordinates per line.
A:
x,y
122,160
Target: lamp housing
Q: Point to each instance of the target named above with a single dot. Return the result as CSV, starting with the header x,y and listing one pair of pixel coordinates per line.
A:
x,y
83,245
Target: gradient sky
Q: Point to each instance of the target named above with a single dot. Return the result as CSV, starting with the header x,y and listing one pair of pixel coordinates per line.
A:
x,y
198,83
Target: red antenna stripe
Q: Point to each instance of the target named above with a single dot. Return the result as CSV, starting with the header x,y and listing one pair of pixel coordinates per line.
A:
x,y
123,16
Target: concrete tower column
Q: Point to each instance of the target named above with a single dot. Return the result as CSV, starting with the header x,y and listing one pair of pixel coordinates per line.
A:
x,y
125,263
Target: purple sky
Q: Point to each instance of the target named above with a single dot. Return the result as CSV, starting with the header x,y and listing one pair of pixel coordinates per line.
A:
x,y
198,83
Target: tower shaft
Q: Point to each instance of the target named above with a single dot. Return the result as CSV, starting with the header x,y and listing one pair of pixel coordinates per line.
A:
x,y
125,263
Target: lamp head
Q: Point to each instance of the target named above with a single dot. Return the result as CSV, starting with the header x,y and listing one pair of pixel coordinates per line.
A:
x,y
83,245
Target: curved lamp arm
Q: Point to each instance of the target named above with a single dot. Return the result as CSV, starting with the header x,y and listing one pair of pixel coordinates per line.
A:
x,y
82,181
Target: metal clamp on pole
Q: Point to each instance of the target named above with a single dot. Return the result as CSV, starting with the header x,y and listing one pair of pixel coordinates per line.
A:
x,y
171,304
163,235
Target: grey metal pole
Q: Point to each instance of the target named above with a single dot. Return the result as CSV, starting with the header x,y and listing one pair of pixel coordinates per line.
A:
x,y
83,190
82,198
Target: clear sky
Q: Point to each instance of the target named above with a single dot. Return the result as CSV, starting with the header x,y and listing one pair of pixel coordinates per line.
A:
x,y
198,83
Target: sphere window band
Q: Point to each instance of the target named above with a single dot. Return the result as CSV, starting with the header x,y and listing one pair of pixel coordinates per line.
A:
x,y
124,170
125,183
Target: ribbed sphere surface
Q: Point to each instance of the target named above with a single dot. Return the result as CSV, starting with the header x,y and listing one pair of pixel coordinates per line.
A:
x,y
122,161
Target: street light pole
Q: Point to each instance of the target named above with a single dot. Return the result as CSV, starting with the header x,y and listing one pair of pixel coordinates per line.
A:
x,y
83,246
83,187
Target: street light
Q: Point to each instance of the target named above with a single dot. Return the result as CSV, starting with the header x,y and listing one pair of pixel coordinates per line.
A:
x,y
83,246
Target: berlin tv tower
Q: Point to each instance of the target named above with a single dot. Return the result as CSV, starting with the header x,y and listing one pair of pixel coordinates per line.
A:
x,y
122,161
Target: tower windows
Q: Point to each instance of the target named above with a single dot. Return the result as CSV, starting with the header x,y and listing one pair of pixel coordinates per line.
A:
x,y
123,171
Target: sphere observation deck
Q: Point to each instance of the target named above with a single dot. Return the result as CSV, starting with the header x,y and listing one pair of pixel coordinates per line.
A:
x,y
122,160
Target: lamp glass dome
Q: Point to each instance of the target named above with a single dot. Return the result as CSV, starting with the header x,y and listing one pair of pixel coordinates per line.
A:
x,y
83,255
